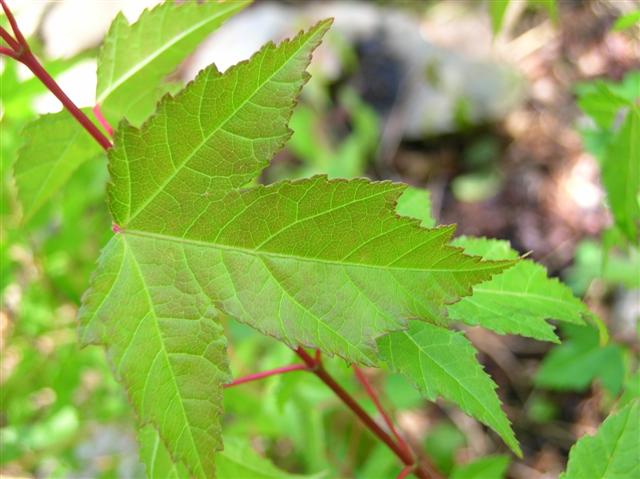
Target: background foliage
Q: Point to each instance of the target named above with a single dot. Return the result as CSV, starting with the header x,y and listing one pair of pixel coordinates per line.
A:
x,y
63,415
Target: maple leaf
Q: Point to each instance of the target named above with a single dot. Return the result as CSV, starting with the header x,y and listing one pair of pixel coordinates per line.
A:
x,y
612,452
134,59
315,262
518,300
442,362
55,147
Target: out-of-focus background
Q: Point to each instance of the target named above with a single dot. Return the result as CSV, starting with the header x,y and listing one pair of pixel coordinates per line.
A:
x,y
491,119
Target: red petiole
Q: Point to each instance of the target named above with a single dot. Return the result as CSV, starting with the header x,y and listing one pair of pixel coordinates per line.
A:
x,y
266,374
20,51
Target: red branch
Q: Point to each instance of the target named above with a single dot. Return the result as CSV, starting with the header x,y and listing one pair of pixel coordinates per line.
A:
x,y
6,36
376,400
266,374
21,52
14,26
407,459
405,472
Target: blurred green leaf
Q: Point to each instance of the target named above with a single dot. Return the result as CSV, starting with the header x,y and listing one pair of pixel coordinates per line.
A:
x,y
618,268
631,389
488,467
416,203
497,9
442,443
612,452
621,175
54,430
541,409
239,460
323,154
626,21
476,187
54,147
380,462
579,360
550,6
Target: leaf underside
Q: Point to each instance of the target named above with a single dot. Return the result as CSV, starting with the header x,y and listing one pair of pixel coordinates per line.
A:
x,y
324,263
135,59
317,262
442,362
54,147
519,300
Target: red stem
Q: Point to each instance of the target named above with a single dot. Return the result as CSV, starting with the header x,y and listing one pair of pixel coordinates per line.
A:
x,y
9,52
22,53
405,472
14,26
6,36
406,458
102,120
266,374
376,400
32,63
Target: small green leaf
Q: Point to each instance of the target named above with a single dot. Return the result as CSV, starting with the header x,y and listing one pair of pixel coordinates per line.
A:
x,y
631,389
488,467
579,360
239,460
497,9
549,5
621,175
627,21
136,58
601,103
443,362
519,300
54,148
416,203
613,452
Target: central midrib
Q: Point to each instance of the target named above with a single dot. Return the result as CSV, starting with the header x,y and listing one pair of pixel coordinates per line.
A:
x,y
262,253
161,187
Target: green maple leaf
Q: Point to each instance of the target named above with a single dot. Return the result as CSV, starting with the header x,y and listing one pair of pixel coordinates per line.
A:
x,y
54,148
416,203
497,10
487,467
158,461
579,360
614,450
132,64
520,299
443,362
621,174
315,262
237,461
134,59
